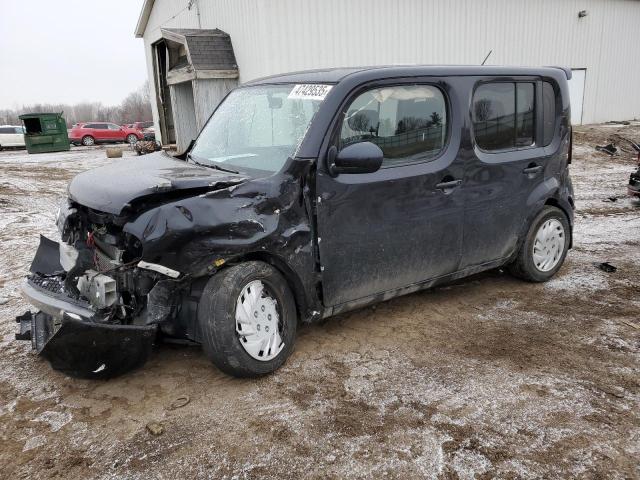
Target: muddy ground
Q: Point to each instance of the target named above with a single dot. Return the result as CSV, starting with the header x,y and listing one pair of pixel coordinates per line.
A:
x,y
490,377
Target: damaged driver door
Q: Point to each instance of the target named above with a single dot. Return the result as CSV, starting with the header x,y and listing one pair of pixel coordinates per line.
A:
x,y
402,224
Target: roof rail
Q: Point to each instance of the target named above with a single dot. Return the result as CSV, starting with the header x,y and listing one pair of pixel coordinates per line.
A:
x,y
566,70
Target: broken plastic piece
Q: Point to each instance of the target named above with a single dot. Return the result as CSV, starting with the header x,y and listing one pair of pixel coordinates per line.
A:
x,y
606,267
609,149
25,326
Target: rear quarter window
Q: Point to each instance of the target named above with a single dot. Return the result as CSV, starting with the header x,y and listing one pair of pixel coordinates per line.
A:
x,y
503,115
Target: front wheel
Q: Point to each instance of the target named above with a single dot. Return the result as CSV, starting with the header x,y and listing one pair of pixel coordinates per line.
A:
x,y
248,319
88,140
545,247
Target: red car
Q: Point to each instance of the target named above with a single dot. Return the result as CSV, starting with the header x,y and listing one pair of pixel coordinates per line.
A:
x,y
91,133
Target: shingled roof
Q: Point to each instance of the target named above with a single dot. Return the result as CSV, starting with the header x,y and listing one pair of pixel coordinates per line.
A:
x,y
206,49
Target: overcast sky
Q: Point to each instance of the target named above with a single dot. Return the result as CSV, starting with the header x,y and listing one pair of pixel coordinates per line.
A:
x,y
69,51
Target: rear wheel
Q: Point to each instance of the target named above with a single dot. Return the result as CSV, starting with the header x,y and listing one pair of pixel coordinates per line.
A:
x,y
545,247
88,140
248,319
131,138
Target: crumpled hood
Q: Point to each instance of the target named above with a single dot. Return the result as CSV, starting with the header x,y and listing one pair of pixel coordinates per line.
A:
x,y
112,187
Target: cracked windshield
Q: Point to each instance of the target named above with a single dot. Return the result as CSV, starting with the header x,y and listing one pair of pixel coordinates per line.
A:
x,y
258,128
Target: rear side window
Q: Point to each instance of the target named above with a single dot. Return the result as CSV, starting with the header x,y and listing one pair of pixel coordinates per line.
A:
x,y
504,115
409,123
548,113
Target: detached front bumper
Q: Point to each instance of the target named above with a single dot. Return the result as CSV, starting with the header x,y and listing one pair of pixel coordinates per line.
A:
x,y
84,349
69,333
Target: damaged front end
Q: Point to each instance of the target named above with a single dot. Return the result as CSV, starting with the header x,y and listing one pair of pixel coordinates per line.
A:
x,y
138,245
99,306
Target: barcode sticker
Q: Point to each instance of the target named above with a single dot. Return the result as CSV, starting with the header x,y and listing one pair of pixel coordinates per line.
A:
x,y
308,91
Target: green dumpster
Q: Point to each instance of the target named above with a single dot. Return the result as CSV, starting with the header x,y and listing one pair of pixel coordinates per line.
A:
x,y
45,132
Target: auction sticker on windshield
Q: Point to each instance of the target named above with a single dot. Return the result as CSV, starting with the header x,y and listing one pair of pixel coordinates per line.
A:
x,y
309,91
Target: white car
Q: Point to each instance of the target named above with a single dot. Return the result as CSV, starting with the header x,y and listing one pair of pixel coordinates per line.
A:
x,y
11,136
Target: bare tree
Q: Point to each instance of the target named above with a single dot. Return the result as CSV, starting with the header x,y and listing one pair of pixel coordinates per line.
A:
x,y
136,107
483,110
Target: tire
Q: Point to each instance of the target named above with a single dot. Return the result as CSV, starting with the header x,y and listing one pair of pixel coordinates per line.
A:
x,y
88,141
222,343
528,267
131,138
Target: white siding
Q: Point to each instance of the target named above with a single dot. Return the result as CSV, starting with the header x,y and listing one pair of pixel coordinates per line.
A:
x,y
184,115
275,36
209,93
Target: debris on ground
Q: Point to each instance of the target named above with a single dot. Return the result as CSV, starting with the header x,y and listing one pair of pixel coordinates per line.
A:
x,y
143,147
155,428
637,327
634,145
611,199
179,402
619,122
114,152
606,267
478,380
609,149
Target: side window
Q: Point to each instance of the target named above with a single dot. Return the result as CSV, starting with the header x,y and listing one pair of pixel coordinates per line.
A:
x,y
89,125
99,126
113,127
409,123
503,115
6,130
548,113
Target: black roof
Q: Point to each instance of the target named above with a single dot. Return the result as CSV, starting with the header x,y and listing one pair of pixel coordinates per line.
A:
x,y
208,49
336,75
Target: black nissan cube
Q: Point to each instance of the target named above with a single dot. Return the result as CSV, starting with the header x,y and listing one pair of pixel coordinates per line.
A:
x,y
306,195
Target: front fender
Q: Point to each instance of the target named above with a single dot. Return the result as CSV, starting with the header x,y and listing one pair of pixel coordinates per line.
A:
x,y
190,235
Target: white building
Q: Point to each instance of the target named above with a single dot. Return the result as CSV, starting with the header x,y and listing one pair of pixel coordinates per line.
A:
x,y
192,63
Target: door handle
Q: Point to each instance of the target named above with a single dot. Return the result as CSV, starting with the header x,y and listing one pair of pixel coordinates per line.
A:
x,y
448,185
532,170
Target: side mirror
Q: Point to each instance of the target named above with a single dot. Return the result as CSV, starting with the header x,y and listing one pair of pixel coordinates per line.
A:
x,y
362,157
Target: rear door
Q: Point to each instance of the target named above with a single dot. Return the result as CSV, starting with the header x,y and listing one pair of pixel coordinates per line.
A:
x,y
115,132
507,165
401,225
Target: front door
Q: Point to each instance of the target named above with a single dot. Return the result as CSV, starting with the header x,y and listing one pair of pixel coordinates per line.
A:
x,y
100,131
402,224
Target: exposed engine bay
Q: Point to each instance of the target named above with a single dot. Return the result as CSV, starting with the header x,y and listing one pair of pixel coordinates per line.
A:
x,y
102,265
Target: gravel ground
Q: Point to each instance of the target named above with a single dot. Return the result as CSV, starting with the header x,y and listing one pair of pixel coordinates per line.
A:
x,y
489,377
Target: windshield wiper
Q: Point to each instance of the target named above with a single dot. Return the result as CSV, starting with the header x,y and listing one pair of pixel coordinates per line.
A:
x,y
222,169
210,165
